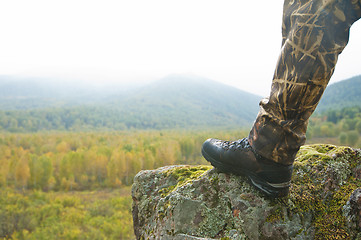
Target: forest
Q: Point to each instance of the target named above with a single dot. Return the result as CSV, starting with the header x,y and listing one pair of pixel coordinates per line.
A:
x,y
76,184
101,214
64,161
341,127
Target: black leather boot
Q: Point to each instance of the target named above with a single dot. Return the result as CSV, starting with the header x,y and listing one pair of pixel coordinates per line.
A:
x,y
239,158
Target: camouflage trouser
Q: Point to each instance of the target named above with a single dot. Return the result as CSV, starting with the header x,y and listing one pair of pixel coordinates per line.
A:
x,y
314,33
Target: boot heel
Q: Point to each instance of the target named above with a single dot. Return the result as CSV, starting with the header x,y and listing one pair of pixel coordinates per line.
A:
x,y
271,190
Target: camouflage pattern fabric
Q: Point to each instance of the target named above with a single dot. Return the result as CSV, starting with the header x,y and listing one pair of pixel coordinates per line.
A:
x,y
314,33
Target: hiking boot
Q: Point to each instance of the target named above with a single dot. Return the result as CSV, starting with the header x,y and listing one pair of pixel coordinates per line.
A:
x,y
239,158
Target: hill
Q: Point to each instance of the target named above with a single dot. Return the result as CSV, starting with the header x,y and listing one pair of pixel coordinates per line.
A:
x,y
176,101
346,93
183,101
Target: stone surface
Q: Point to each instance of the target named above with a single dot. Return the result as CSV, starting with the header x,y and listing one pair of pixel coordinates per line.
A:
x,y
198,202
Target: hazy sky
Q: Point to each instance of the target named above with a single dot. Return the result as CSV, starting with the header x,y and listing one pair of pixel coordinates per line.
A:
x,y
232,41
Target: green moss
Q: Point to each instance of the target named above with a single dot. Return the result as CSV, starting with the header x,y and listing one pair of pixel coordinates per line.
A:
x,y
187,173
214,180
183,175
320,171
311,155
276,215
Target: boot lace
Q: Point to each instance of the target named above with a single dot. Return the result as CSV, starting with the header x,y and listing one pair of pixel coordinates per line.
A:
x,y
234,145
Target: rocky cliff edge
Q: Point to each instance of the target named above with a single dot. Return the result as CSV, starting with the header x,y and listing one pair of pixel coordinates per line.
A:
x,y
198,202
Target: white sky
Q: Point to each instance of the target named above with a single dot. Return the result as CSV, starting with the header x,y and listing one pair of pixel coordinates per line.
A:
x,y
232,41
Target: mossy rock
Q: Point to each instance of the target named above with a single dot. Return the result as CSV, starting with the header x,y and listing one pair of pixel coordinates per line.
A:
x,y
198,202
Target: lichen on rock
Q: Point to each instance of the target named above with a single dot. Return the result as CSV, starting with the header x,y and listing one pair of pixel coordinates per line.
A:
x,y
198,202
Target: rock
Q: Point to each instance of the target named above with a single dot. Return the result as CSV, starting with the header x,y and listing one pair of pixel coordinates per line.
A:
x,y
352,210
198,202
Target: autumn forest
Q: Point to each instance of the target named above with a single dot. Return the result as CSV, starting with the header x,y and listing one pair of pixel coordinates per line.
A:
x,y
48,170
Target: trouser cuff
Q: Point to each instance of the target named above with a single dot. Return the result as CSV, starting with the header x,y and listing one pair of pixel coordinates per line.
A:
x,y
277,140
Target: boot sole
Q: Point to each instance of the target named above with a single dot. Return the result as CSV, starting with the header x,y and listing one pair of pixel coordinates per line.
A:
x,y
261,185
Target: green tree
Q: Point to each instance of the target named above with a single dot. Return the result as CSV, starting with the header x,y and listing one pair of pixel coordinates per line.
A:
x,y
149,159
22,172
5,154
326,130
352,137
40,171
114,169
345,125
358,126
343,138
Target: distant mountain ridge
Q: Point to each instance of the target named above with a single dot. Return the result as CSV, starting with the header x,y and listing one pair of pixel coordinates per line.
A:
x,y
177,97
176,101
346,93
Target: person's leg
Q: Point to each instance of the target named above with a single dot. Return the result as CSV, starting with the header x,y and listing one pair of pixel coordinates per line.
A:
x,y
314,34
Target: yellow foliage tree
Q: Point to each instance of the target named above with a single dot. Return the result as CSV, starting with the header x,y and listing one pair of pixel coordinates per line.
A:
x,y
22,172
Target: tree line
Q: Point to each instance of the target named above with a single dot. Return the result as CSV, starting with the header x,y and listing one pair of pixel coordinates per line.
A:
x,y
85,161
343,125
101,118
